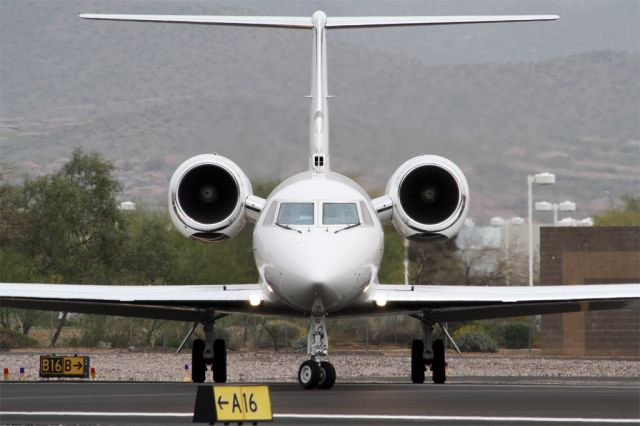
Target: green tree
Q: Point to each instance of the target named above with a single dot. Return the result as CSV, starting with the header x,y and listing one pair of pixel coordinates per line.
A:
x,y
67,223
392,267
628,215
436,262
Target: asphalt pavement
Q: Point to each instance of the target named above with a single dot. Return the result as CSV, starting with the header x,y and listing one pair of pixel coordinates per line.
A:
x,y
379,403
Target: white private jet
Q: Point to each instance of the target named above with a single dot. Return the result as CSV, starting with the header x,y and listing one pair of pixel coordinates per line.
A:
x,y
318,238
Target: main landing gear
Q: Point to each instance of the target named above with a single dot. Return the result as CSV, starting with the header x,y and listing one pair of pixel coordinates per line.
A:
x,y
209,352
427,353
316,374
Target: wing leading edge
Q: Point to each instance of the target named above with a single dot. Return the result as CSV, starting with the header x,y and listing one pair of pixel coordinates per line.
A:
x,y
461,303
174,302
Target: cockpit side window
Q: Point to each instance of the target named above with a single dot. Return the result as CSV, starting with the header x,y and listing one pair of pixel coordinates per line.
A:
x,y
295,214
271,214
366,217
339,214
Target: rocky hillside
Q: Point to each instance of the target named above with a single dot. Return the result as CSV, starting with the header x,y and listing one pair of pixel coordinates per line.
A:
x,y
148,96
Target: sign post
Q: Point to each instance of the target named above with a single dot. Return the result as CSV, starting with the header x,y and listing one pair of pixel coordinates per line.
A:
x,y
64,366
232,404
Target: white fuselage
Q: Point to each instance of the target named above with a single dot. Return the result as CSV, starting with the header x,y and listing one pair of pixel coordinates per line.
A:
x,y
307,259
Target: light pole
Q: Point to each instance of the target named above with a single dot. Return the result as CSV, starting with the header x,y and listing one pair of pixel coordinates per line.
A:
x,y
539,179
565,206
406,262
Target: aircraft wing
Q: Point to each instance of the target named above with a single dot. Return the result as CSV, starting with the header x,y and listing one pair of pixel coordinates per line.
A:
x,y
172,302
462,303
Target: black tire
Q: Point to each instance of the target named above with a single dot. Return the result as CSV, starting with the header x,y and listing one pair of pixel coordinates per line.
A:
x,y
219,361
438,365
198,367
309,374
329,377
417,361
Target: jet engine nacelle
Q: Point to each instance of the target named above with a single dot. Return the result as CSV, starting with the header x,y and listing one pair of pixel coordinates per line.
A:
x,y
207,196
430,198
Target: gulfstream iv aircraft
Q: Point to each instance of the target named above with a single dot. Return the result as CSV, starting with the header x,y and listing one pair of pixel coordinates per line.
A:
x,y
318,238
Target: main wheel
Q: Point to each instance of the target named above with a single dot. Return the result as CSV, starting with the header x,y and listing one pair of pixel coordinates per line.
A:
x,y
417,361
198,367
309,374
438,365
219,361
328,379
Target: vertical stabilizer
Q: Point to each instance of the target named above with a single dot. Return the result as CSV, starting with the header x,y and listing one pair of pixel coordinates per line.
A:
x,y
319,117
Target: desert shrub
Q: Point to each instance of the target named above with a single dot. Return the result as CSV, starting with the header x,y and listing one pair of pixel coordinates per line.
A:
x,y
300,345
515,334
13,339
468,328
474,341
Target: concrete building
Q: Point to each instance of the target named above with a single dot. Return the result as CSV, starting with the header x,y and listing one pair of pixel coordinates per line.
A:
x,y
577,255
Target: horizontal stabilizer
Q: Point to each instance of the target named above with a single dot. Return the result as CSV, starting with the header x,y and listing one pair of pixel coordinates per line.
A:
x,y
302,22
394,21
249,21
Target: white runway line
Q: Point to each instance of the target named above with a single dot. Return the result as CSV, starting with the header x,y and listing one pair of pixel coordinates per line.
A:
x,y
457,418
495,419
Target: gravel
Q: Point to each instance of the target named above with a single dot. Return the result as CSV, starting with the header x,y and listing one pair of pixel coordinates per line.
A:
x,y
360,366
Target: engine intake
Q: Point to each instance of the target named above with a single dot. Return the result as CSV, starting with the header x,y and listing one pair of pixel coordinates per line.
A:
x,y
207,196
208,193
429,195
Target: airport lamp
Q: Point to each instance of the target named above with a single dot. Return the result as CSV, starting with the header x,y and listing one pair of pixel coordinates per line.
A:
x,y
587,221
565,206
538,179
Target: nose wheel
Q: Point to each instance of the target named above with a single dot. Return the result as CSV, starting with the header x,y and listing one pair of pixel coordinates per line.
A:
x,y
316,374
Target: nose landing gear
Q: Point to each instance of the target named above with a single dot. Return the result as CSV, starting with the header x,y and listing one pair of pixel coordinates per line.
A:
x,y
315,373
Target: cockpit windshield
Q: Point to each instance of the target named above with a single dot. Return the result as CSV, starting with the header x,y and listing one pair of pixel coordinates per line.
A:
x,y
339,214
295,214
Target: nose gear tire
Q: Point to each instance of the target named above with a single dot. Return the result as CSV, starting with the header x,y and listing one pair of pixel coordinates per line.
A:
x,y
309,374
329,377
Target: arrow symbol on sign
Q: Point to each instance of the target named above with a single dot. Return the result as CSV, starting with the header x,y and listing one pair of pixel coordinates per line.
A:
x,y
78,365
222,402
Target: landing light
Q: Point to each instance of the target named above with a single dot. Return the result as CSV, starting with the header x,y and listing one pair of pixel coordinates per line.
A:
x,y
381,301
255,300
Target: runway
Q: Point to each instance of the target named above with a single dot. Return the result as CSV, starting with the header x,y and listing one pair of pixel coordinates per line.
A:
x,y
450,404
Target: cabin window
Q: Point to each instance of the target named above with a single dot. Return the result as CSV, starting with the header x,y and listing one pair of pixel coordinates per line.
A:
x,y
339,214
295,214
